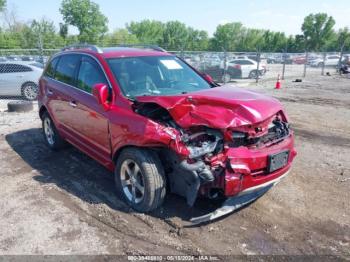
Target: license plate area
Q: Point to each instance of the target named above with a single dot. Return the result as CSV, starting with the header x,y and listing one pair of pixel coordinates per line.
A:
x,y
277,161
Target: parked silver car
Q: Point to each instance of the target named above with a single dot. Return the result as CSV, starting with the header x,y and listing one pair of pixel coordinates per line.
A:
x,y
19,78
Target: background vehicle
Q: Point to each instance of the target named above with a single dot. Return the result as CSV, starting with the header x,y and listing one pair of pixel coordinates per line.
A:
x,y
218,73
13,58
331,60
299,60
27,58
247,68
20,79
263,60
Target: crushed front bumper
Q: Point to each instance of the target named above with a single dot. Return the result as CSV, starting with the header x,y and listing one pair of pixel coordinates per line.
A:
x,y
243,198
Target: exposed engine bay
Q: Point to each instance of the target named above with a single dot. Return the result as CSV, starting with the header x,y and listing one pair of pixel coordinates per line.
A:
x,y
205,160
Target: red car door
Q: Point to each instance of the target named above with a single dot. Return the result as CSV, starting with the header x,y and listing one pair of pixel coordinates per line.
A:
x,y
57,86
88,119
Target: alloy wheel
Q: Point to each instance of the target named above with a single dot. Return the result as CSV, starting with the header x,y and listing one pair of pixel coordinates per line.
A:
x,y
132,181
49,133
30,91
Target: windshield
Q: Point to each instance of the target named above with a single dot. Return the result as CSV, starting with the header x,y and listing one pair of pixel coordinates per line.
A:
x,y
155,75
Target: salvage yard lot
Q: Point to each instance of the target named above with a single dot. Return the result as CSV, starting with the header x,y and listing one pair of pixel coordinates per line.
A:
x,y
65,203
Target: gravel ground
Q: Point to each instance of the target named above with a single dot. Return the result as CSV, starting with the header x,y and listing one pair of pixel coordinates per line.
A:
x,y
65,203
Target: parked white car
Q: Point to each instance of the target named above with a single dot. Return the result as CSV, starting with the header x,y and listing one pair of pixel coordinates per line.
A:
x,y
248,67
331,60
20,79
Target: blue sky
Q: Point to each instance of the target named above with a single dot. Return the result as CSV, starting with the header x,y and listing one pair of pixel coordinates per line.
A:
x,y
286,16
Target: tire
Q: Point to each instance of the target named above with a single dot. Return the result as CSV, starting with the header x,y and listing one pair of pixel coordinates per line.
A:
x,y
145,174
252,74
30,91
19,106
52,138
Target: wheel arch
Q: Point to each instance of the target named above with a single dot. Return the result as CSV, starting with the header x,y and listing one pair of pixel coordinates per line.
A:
x,y
42,110
28,82
117,152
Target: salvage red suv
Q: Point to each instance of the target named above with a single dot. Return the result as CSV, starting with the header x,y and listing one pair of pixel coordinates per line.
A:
x,y
162,126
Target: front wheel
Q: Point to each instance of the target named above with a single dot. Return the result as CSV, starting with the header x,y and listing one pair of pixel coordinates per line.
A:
x,y
140,179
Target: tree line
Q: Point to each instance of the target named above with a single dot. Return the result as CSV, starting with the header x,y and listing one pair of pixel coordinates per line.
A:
x,y
318,33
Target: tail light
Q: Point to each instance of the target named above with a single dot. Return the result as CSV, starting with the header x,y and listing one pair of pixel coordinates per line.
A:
x,y
237,66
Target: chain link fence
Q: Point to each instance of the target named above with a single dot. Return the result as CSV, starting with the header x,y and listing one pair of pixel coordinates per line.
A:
x,y
227,66
20,69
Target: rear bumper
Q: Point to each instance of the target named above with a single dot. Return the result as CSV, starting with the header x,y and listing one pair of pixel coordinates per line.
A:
x,y
247,168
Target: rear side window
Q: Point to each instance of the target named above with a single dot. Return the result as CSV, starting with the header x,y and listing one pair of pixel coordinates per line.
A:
x,y
242,62
14,68
66,68
90,74
2,68
51,68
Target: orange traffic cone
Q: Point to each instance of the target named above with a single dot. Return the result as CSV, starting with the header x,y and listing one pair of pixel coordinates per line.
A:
x,y
278,83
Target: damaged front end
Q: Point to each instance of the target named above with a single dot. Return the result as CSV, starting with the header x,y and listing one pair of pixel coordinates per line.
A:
x,y
239,154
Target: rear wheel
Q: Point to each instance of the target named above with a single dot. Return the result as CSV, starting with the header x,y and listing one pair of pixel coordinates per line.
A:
x,y
30,91
252,74
52,137
140,179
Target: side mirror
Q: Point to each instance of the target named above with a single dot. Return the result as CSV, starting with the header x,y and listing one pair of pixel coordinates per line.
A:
x,y
101,93
208,78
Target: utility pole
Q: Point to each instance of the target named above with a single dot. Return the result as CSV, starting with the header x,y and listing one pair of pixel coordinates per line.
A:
x,y
284,62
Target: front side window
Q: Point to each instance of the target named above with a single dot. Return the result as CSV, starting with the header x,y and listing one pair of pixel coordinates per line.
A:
x,y
66,68
155,75
89,75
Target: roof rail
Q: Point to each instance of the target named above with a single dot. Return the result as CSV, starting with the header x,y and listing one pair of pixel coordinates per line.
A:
x,y
145,46
82,46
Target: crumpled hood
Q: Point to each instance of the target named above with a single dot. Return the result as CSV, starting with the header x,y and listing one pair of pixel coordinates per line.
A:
x,y
220,107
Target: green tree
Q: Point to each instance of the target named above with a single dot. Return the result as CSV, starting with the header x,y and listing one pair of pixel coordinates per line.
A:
x,y
175,35
118,37
273,41
197,40
2,5
63,30
343,39
317,30
147,31
249,40
227,36
87,17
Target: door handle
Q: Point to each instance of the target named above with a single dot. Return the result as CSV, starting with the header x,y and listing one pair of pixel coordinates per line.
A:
x,y
49,92
73,104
